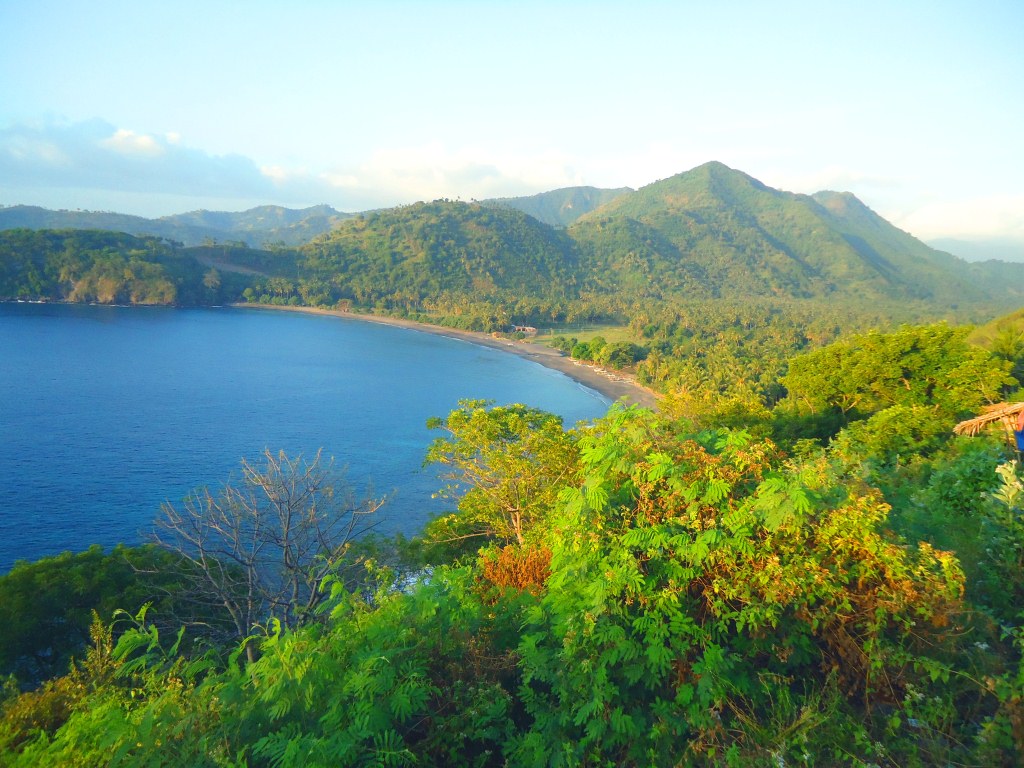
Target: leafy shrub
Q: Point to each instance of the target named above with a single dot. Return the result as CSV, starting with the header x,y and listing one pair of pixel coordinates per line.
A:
x,y
697,579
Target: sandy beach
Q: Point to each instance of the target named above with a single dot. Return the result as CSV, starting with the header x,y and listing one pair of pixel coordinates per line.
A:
x,y
612,384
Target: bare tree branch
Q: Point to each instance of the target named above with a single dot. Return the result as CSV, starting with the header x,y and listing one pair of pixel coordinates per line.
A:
x,y
262,549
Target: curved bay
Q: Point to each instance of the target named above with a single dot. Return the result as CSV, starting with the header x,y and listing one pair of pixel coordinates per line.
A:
x,y
106,412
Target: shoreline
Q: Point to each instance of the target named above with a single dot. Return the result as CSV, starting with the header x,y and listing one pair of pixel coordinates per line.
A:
x,y
623,386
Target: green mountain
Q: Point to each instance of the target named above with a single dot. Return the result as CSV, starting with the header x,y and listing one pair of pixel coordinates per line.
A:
x,y
714,231
427,249
560,207
34,217
255,227
711,232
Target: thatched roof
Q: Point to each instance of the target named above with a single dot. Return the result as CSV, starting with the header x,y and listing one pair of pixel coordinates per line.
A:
x,y
1005,412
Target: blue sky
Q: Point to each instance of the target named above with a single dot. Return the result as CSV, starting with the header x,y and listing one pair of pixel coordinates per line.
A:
x,y
158,108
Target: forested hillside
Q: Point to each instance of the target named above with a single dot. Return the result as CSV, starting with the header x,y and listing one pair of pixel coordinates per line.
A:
x,y
448,262
427,249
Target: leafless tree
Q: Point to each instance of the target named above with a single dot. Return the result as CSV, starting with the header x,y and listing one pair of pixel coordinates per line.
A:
x,y
262,548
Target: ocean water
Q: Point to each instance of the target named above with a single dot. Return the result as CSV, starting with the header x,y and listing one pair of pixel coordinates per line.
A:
x,y
107,412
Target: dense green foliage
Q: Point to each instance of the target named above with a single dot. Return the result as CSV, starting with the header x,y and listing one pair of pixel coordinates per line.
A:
x,y
504,466
46,607
709,602
930,366
616,355
428,250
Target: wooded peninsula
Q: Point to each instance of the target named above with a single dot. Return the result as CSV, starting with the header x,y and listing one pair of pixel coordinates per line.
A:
x,y
788,556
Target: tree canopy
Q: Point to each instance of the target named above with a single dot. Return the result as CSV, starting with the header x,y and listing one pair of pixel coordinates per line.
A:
x,y
931,366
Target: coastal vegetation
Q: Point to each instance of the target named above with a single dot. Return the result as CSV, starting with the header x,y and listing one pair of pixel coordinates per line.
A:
x,y
792,561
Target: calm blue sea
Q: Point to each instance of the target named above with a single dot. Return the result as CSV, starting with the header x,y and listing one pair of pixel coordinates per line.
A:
x,y
107,412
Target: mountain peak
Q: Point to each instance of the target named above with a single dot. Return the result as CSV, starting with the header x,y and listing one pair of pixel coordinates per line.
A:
x,y
713,166
841,203
732,232
714,178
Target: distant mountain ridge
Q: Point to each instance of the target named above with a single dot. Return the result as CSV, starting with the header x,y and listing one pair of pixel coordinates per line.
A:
x,y
274,224
256,227
267,225
982,249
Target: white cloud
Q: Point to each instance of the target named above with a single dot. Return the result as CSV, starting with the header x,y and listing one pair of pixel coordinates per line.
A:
x,y
342,180
129,142
76,164
73,163
432,170
276,172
